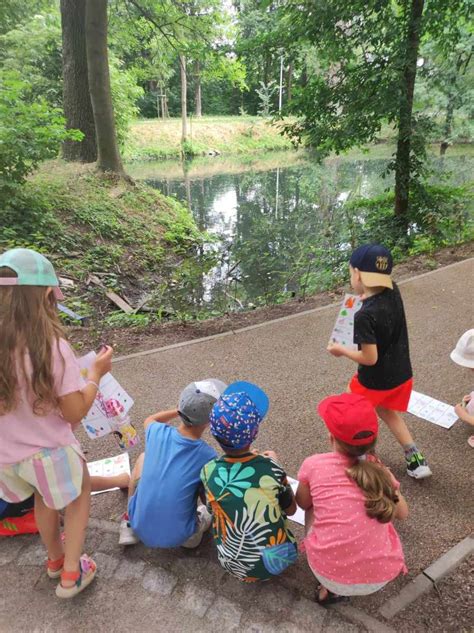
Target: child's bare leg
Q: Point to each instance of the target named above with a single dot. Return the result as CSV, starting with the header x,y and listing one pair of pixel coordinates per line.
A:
x,y
397,425
75,524
105,483
47,521
136,474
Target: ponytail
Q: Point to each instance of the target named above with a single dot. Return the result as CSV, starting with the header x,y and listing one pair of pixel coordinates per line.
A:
x,y
374,480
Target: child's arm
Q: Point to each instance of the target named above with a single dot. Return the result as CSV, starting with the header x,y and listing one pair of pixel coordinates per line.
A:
x,y
287,500
401,510
161,416
303,496
463,414
74,406
367,355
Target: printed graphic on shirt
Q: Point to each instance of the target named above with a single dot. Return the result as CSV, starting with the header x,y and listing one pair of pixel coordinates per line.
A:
x,y
252,538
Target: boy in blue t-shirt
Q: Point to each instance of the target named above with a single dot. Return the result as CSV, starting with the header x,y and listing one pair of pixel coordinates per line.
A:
x,y
165,483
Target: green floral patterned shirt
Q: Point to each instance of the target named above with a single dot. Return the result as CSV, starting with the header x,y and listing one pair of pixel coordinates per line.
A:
x,y
247,495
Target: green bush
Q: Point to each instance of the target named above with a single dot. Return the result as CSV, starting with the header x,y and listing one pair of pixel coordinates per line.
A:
x,y
30,132
437,216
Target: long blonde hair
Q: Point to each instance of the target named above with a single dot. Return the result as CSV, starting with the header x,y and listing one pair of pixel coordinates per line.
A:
x,y
374,481
28,324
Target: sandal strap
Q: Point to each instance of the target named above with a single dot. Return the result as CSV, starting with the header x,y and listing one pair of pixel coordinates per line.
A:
x,y
73,576
85,564
55,565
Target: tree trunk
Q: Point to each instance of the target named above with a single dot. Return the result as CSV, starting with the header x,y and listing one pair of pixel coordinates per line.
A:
x,y
198,90
99,84
76,97
448,124
166,114
184,95
289,82
402,161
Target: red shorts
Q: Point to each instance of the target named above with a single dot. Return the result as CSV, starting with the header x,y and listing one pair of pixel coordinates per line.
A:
x,y
395,399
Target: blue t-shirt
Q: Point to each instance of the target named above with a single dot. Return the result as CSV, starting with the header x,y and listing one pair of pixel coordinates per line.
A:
x,y
162,511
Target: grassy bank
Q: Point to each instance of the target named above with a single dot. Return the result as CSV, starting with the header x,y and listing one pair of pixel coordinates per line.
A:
x,y
153,138
132,238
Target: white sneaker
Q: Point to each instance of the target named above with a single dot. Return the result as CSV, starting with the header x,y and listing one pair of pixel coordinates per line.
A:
x,y
204,520
417,466
420,472
127,535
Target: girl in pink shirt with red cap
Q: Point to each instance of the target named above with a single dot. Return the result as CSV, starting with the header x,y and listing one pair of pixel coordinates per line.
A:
x,y
351,499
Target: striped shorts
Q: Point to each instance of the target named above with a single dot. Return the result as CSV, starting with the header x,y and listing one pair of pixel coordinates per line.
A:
x,y
56,473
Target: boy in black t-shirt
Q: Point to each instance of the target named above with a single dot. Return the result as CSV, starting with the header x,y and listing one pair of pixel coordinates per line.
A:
x,y
384,374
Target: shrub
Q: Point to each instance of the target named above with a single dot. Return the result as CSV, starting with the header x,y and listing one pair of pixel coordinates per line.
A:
x,y
30,132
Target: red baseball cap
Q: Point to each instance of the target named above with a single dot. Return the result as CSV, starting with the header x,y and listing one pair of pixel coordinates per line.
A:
x,y
350,418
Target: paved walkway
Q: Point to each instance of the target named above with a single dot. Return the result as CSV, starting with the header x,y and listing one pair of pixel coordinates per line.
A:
x,y
153,590
145,590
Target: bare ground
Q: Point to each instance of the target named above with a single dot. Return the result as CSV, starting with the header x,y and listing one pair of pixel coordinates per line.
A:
x,y
449,608
126,340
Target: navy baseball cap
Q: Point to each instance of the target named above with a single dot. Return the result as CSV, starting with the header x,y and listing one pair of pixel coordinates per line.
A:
x,y
374,262
237,414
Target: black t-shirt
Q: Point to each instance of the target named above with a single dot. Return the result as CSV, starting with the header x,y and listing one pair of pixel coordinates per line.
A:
x,y
381,321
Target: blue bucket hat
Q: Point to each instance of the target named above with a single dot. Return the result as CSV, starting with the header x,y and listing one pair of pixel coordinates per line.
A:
x,y
237,414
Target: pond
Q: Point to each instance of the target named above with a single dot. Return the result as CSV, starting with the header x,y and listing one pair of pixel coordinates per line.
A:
x,y
281,224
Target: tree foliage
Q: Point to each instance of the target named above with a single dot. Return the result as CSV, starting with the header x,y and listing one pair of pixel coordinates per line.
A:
x,y
31,131
367,52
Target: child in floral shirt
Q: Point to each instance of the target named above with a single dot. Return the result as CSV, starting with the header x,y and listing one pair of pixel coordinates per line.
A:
x,y
248,492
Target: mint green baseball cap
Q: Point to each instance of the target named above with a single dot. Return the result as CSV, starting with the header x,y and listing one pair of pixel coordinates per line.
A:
x,y
31,268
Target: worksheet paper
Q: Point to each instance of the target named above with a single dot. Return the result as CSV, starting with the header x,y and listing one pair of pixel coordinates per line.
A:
x,y
96,423
298,516
432,410
343,332
109,467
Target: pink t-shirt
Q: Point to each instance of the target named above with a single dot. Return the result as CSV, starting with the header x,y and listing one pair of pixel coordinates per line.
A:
x,y
22,433
344,544
470,404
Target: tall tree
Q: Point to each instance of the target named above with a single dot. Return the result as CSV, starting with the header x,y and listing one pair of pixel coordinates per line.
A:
x,y
99,84
407,89
76,96
184,99
367,54
197,79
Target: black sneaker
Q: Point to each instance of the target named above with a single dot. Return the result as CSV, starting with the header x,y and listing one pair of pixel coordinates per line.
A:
x,y
417,466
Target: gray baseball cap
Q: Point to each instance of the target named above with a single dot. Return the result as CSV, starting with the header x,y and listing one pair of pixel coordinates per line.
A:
x,y
198,398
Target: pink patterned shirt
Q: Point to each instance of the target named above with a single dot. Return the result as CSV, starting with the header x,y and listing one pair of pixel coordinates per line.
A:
x,y
344,544
22,433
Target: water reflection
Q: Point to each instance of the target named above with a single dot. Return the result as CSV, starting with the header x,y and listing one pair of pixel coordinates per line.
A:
x,y
284,231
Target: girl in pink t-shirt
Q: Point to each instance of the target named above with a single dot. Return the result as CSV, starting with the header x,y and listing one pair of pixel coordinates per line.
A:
x,y
42,398
350,498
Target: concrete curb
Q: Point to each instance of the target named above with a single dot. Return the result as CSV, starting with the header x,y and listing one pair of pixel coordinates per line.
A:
x,y
428,578
329,306
361,617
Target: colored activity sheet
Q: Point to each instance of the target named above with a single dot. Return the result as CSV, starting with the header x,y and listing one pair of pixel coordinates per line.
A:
x,y
298,516
109,467
434,411
343,332
97,421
